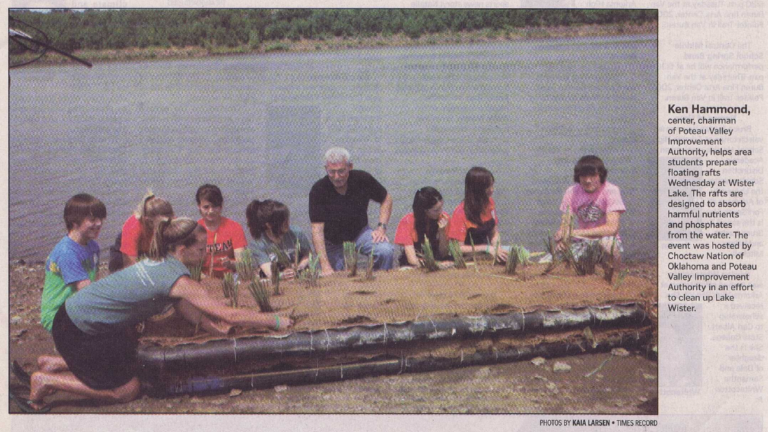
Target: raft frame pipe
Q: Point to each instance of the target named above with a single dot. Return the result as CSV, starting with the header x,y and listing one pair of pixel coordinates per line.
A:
x,y
230,352
630,339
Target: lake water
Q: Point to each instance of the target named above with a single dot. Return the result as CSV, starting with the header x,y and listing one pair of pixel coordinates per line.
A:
x,y
258,126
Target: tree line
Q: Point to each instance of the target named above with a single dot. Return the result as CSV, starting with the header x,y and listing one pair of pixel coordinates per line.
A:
x,y
126,28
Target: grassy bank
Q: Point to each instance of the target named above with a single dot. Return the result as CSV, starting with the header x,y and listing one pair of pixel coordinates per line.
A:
x,y
339,43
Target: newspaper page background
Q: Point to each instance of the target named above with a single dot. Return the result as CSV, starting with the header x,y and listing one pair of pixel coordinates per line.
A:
x,y
712,359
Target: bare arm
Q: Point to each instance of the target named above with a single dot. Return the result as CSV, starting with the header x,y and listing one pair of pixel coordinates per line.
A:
x,y
410,253
81,284
489,248
609,228
385,211
194,293
318,239
267,269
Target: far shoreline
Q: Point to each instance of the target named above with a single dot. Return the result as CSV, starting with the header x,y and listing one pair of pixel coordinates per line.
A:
x,y
337,44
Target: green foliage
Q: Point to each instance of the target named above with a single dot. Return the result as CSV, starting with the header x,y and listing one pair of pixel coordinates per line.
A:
x,y
245,266
282,257
586,263
429,257
458,257
512,261
96,29
296,254
474,258
230,289
276,47
275,270
369,268
413,28
254,40
260,295
350,258
523,256
196,272
550,247
518,256
312,272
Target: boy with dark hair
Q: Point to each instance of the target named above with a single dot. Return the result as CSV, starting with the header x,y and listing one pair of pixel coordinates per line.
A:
x,y
74,261
597,206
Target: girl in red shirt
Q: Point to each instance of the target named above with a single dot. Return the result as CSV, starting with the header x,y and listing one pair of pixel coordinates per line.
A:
x,y
428,219
226,238
139,229
476,216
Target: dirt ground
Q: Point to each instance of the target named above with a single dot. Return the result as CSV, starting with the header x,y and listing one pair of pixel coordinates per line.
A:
x,y
615,384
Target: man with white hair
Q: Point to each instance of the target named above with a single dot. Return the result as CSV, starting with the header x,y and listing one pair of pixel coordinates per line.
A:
x,y
338,210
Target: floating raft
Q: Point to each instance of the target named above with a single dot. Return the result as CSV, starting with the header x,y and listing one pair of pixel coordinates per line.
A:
x,y
462,318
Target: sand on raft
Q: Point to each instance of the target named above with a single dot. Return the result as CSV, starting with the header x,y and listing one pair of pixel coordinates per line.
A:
x,y
415,295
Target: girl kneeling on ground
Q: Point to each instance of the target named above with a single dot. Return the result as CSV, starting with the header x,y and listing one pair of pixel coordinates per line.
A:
x,y
475,219
226,238
427,220
133,241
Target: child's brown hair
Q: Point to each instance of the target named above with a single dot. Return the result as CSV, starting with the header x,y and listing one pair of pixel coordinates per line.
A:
x,y
82,206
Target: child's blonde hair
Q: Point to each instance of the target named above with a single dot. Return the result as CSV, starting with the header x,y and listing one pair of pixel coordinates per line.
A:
x,y
150,208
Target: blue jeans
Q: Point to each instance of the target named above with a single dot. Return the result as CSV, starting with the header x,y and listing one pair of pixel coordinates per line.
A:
x,y
383,253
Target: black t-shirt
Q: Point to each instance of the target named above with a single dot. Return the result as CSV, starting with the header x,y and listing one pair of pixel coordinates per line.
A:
x,y
345,215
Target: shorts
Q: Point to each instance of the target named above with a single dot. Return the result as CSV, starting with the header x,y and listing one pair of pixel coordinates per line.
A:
x,y
102,362
578,247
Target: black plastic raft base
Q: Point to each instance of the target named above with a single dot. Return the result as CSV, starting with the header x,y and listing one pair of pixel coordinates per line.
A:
x,y
230,352
396,366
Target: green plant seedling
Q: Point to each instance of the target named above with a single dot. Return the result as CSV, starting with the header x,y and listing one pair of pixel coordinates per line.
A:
x,y
474,258
458,258
260,295
511,266
296,253
312,272
275,270
429,257
369,268
350,258
230,289
282,257
245,266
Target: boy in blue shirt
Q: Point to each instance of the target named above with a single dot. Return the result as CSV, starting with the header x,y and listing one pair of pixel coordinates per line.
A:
x,y
74,261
